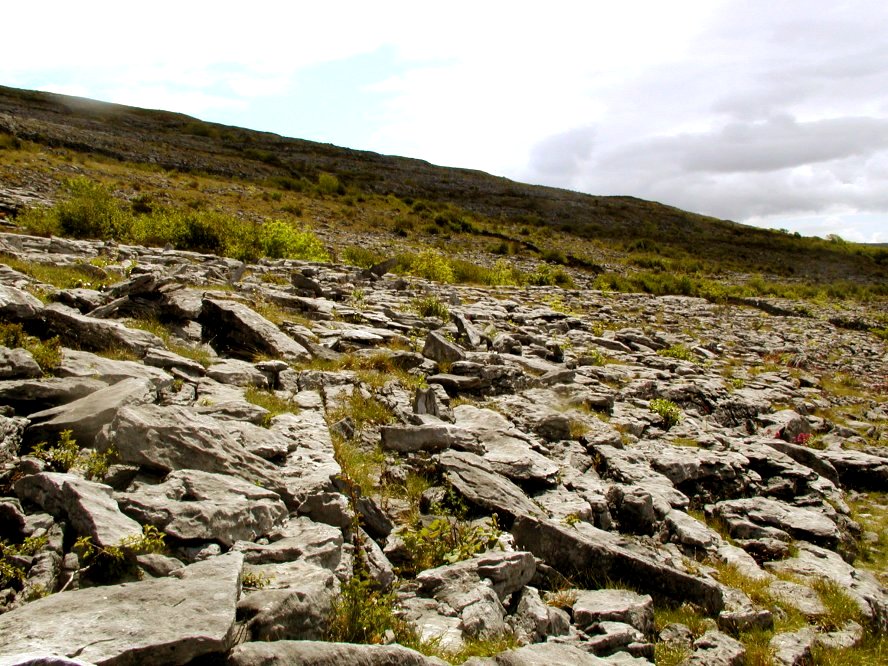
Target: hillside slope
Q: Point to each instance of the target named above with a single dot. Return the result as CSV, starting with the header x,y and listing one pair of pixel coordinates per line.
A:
x,y
582,223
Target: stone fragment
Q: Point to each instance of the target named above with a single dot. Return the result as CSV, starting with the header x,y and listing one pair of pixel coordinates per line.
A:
x,y
192,505
238,330
316,653
432,437
793,648
155,622
88,506
86,416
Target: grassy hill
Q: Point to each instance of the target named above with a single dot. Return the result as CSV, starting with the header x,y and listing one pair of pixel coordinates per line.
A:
x,y
153,161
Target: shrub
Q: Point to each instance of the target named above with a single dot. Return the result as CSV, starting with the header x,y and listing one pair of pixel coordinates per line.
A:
x,y
280,240
447,541
667,410
329,184
362,613
111,562
431,306
90,211
47,353
431,265
66,455
11,570
681,352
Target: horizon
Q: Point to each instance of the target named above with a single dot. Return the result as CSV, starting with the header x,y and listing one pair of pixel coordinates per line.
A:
x,y
773,117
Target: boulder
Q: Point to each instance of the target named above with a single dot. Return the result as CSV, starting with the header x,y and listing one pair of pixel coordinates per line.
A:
x,y
155,622
441,350
192,505
236,329
88,506
86,416
18,364
17,304
603,554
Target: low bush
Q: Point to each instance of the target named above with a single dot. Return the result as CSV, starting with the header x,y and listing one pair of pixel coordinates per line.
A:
x,y
667,410
280,240
447,541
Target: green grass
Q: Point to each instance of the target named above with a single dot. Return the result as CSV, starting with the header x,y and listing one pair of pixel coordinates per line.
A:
x,y
870,510
270,401
667,410
46,353
83,275
681,352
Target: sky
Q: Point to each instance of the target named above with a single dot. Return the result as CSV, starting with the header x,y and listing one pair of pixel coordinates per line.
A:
x,y
772,113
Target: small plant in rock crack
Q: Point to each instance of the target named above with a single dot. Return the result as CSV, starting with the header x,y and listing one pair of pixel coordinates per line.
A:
x,y
11,570
680,352
109,563
66,455
667,410
447,541
431,306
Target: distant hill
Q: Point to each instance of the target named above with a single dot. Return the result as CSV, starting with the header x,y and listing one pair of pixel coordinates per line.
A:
x,y
635,231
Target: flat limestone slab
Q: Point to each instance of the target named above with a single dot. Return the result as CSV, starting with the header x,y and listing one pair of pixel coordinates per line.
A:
x,y
161,621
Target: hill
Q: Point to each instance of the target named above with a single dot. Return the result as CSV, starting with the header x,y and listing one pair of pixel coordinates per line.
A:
x,y
623,235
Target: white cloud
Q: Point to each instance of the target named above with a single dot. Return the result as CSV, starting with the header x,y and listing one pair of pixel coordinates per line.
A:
x,y
750,110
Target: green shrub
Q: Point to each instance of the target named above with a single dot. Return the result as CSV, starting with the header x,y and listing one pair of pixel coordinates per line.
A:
x,y
47,353
66,455
89,211
431,265
278,239
360,256
447,541
11,571
362,613
329,184
109,563
431,306
668,411
681,352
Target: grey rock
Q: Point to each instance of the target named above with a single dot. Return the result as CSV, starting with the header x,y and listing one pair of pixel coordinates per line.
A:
x,y
191,505
27,396
534,620
85,365
238,373
167,360
11,432
471,476
717,649
86,416
541,654
586,548
593,606
236,328
441,350
158,621
800,523
431,437
813,562
312,653
793,648
164,439
18,364
17,304
77,330
88,506
299,539
294,604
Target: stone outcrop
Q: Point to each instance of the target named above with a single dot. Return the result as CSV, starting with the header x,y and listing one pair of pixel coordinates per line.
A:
x,y
502,472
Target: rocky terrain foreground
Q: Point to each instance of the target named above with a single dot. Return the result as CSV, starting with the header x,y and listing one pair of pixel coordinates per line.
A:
x,y
224,463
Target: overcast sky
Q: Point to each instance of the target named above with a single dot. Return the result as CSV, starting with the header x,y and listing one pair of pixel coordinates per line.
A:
x,y
772,113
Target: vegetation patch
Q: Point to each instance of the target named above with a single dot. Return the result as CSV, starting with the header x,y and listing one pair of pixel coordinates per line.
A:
x,y
46,353
667,410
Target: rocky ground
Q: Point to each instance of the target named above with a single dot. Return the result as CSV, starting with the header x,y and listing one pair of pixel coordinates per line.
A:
x,y
578,468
